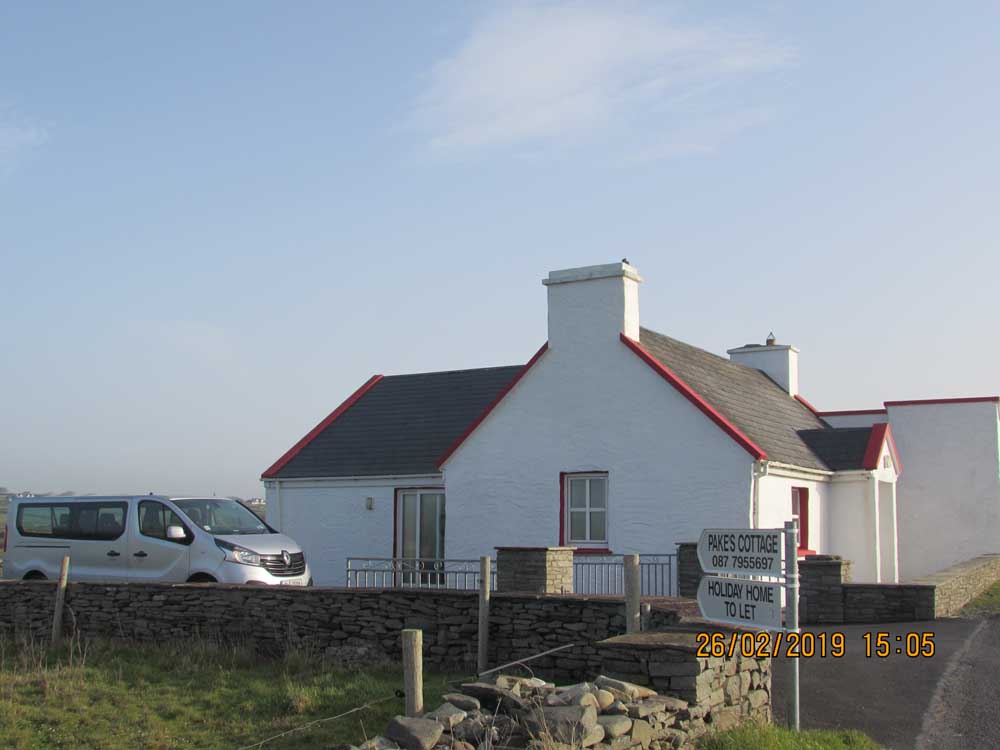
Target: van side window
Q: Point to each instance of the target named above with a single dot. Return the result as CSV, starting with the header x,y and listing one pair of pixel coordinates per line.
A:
x,y
154,518
77,521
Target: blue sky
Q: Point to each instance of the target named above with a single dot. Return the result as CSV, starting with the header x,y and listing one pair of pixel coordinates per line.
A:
x,y
216,222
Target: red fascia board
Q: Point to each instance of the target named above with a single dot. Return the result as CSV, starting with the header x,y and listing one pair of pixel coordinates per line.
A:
x,y
881,432
802,400
332,417
500,397
930,401
685,390
849,412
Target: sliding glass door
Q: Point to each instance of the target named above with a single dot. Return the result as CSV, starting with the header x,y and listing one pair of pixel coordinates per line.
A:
x,y
421,539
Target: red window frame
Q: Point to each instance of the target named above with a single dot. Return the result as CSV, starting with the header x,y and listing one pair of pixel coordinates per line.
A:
x,y
802,495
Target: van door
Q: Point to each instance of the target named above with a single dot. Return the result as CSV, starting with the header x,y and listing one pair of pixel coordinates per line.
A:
x,y
92,534
153,558
98,541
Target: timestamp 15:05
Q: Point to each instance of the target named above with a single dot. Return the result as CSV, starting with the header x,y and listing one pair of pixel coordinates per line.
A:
x,y
881,645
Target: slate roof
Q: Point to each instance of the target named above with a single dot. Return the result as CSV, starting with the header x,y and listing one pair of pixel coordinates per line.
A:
x,y
402,425
786,429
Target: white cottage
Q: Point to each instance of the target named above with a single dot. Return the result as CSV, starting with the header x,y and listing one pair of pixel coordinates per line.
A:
x,y
949,495
613,438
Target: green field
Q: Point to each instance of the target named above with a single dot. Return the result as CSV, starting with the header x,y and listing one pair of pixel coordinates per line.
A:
x,y
197,695
774,738
191,695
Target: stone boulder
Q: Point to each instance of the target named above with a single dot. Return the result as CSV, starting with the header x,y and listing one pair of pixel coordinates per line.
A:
x,y
414,734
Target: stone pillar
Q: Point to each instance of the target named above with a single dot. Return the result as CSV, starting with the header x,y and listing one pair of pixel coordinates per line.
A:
x,y
689,570
821,592
535,570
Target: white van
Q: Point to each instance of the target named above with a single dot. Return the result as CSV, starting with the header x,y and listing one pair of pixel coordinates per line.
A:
x,y
148,538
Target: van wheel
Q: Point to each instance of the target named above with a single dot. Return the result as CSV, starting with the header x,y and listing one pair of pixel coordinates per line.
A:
x,y
35,575
201,578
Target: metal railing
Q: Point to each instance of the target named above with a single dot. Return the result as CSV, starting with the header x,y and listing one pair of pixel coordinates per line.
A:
x,y
405,572
605,574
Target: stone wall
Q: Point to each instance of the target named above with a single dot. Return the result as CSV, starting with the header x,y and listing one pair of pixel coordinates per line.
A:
x,y
689,570
829,598
727,690
535,570
651,692
351,624
956,586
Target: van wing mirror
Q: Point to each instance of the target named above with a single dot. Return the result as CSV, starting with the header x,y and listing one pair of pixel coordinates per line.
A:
x,y
176,533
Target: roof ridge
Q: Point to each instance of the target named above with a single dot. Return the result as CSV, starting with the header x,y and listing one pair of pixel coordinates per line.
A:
x,y
449,372
704,351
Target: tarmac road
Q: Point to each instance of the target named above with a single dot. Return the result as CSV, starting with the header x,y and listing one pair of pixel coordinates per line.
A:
x,y
950,701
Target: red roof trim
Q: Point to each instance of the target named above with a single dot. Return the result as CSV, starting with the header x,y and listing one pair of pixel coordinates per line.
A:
x,y
292,452
802,400
881,432
849,412
920,402
685,390
500,397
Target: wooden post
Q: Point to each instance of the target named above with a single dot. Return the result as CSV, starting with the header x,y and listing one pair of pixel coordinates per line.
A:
x,y
413,671
632,594
57,615
482,663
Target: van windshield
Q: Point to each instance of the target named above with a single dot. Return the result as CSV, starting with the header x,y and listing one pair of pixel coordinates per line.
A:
x,y
222,516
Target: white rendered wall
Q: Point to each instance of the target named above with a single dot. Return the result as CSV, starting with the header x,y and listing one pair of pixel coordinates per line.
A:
x,y
778,362
672,471
948,497
854,420
775,498
851,525
329,520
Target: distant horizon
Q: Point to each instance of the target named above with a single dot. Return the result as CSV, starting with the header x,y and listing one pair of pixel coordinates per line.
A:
x,y
218,221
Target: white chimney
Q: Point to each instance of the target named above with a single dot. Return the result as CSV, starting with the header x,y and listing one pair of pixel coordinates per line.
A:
x,y
780,362
592,304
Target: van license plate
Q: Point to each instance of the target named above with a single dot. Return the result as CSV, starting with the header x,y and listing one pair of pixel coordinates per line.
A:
x,y
292,583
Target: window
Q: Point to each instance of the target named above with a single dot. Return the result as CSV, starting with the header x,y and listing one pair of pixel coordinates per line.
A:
x,y
154,518
95,521
587,508
800,513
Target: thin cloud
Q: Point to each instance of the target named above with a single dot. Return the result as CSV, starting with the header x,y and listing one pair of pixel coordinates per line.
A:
x,y
563,74
16,137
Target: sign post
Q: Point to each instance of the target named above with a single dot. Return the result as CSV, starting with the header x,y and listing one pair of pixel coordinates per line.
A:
x,y
734,594
792,589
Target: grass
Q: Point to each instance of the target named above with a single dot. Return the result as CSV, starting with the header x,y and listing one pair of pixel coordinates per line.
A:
x,y
987,603
775,738
193,695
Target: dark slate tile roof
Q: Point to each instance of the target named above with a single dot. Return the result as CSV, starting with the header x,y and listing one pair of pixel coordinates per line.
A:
x,y
842,448
402,425
755,404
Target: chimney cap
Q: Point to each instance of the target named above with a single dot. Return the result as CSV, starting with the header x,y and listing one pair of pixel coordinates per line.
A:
x,y
589,273
771,341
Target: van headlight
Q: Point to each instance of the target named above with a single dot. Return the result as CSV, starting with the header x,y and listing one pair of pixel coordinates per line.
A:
x,y
237,554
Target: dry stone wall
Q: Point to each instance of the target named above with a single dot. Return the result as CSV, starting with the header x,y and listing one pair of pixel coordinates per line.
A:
x,y
678,698
349,624
828,597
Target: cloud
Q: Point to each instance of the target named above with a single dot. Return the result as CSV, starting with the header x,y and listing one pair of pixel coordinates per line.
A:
x,y
558,74
16,136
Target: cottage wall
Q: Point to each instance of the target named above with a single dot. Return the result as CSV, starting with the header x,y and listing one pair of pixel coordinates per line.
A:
x,y
671,471
949,489
331,522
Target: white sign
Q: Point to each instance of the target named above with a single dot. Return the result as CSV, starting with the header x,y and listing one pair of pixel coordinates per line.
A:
x,y
740,601
754,552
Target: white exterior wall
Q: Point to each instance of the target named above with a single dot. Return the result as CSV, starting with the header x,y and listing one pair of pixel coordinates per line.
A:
x,y
779,362
854,420
851,525
671,470
329,518
775,506
948,497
